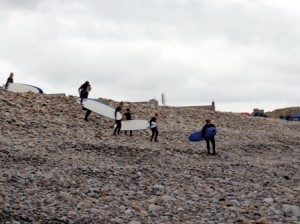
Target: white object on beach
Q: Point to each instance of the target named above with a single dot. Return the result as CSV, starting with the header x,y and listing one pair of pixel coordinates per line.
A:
x,y
134,125
22,88
100,108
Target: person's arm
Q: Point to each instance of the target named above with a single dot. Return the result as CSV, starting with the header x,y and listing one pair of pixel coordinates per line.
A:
x,y
153,124
7,83
203,131
116,111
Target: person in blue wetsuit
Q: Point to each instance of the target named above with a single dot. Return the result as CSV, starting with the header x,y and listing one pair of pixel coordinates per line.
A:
x,y
208,124
118,121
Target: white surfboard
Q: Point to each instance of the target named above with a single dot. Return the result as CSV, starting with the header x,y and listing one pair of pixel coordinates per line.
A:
x,y
22,88
100,108
134,125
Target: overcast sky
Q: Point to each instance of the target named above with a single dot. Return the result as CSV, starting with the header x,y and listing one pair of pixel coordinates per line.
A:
x,y
242,54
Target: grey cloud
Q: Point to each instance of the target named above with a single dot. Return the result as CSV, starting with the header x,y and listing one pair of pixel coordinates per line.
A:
x,y
20,4
194,51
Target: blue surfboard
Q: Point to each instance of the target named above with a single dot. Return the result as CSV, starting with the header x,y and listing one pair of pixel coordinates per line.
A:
x,y
196,136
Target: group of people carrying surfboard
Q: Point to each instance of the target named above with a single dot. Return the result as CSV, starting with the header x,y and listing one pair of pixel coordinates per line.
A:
x,y
84,90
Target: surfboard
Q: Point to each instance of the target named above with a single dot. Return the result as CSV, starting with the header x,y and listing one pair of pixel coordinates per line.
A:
x,y
196,136
134,125
100,108
22,88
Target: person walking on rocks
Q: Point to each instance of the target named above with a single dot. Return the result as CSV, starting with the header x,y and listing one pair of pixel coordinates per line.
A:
x,y
127,115
153,127
10,79
208,124
84,95
82,88
118,121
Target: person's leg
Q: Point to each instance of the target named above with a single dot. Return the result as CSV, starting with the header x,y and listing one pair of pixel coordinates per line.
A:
x,y
156,134
88,112
119,125
130,133
125,132
207,146
213,142
116,128
153,132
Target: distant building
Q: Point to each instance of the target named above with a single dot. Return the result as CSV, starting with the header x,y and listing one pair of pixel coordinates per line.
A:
x,y
258,113
152,101
211,107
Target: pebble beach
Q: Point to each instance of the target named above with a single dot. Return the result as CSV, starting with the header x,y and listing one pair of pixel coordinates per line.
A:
x,y
57,168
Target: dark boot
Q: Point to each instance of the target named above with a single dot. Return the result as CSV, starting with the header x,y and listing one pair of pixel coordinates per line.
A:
x,y
88,112
214,151
208,151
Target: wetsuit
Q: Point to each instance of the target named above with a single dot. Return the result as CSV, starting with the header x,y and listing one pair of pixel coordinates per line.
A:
x,y
118,122
128,117
85,95
212,140
82,89
154,130
9,80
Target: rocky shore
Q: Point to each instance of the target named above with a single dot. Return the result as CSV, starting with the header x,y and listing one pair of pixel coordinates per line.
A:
x,y
57,168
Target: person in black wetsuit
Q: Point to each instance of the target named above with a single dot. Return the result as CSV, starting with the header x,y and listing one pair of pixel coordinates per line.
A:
x,y
127,115
84,95
118,122
153,127
10,79
82,88
212,140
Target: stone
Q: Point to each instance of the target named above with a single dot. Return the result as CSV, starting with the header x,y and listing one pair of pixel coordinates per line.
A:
x,y
66,196
268,200
134,222
56,167
263,220
137,206
291,210
153,207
